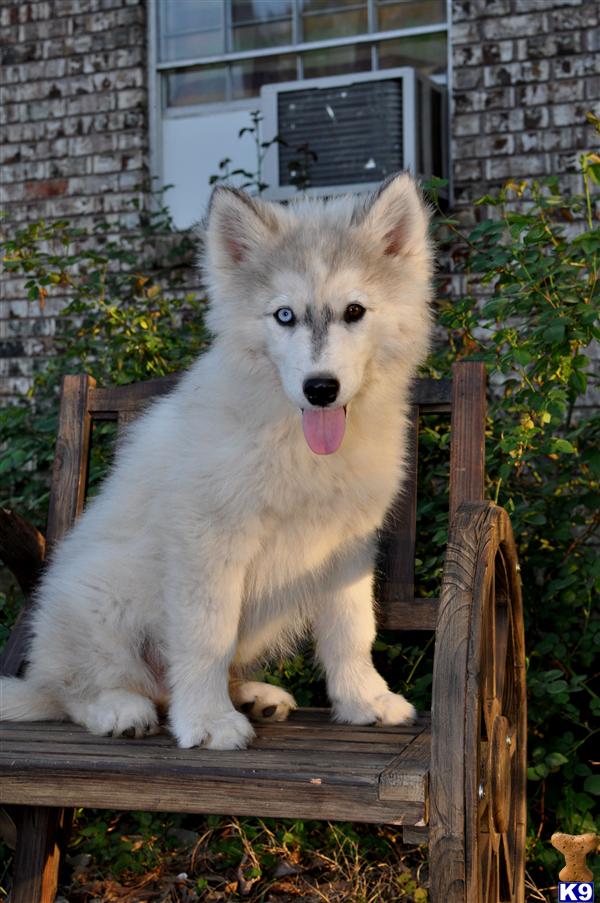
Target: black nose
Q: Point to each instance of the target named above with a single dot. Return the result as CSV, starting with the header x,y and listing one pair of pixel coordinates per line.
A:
x,y
322,390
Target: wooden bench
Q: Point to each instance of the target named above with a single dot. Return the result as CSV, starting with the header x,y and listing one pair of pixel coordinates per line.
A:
x,y
455,778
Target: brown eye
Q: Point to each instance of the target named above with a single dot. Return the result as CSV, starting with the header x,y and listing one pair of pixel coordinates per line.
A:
x,y
354,312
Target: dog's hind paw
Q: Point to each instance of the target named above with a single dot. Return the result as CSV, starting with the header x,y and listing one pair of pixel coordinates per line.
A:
x,y
260,701
386,708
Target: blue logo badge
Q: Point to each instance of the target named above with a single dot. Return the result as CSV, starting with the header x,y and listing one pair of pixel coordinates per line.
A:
x,y
570,891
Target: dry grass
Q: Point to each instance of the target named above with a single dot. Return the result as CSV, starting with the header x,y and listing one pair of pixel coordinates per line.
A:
x,y
333,864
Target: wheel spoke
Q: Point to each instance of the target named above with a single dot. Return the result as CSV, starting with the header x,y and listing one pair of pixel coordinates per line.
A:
x,y
486,859
508,700
488,666
506,875
492,891
501,625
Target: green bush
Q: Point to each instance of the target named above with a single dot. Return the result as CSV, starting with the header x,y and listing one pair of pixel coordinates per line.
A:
x,y
128,315
531,312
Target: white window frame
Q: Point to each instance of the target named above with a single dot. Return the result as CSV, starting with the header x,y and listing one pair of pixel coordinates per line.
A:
x,y
157,109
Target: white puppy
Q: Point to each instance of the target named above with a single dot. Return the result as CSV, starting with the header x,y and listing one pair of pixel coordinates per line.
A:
x,y
243,507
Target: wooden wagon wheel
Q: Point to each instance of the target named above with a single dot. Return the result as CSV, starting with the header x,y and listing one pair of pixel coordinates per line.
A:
x,y
479,767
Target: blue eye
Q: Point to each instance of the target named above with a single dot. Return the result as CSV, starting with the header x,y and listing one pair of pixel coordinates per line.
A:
x,y
285,316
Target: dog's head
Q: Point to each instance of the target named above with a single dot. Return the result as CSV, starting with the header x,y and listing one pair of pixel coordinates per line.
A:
x,y
328,291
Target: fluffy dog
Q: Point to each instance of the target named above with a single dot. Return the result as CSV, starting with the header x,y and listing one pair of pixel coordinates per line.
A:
x,y
243,507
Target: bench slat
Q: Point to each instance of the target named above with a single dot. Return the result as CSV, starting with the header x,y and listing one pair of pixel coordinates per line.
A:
x,y
304,768
159,792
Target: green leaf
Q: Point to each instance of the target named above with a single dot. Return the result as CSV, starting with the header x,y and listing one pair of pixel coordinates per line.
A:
x,y
555,759
592,784
556,687
563,445
521,356
554,333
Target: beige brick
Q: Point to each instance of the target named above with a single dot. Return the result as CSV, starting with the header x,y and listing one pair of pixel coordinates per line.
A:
x,y
515,26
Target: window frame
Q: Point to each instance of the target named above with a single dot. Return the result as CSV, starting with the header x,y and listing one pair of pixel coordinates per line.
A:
x,y
157,107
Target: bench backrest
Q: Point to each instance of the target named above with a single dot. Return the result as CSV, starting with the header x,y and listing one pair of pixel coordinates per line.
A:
x,y
82,403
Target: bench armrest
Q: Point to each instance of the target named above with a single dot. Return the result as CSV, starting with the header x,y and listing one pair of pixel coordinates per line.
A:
x,y
22,548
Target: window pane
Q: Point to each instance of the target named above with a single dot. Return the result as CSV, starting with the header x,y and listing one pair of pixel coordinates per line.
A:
x,y
319,27
336,61
249,75
185,47
329,6
265,34
409,13
260,10
180,16
190,28
207,84
261,23
425,52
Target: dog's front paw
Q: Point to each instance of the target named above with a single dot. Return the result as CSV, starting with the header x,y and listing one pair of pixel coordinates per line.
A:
x,y
386,708
117,713
261,701
229,730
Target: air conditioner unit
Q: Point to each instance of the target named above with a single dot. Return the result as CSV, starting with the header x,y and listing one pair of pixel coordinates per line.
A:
x,y
349,132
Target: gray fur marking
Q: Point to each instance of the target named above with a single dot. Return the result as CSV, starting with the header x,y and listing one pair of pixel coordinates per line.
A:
x,y
318,320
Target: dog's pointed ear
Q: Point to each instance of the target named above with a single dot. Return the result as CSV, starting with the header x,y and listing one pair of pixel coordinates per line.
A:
x,y
237,224
396,217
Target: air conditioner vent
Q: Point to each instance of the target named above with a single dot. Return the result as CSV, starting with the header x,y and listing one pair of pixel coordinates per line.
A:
x,y
355,131
361,128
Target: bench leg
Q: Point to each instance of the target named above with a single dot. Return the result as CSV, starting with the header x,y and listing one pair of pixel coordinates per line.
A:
x,y
41,832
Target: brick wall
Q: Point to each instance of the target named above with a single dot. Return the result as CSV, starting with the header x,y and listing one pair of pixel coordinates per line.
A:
x,y
73,139
525,73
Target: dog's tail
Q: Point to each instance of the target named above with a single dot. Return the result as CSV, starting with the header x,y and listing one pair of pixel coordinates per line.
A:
x,y
22,700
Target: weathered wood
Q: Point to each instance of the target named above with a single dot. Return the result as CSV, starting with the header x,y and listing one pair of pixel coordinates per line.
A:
x,y
163,792
125,418
37,855
432,395
333,749
416,834
397,543
22,548
12,657
328,738
307,767
465,703
8,829
420,614
118,399
447,774
69,474
467,447
407,775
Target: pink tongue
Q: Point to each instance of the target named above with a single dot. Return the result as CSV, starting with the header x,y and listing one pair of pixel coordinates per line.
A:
x,y
324,429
